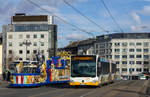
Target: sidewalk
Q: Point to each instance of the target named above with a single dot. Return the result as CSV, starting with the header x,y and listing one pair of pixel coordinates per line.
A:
x,y
3,82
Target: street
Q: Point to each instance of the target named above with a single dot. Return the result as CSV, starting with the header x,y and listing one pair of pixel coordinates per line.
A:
x,y
130,88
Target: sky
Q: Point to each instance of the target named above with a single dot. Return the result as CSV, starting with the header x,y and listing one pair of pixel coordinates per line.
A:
x,y
131,15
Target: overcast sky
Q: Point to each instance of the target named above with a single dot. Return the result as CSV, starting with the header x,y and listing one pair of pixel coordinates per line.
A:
x,y
131,15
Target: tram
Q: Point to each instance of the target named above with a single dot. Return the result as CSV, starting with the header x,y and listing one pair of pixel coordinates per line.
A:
x,y
91,70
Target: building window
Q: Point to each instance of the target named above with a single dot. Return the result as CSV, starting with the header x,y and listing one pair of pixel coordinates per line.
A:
x,y
10,37
131,69
124,69
117,44
139,62
124,50
106,45
124,62
42,35
124,44
131,62
42,43
35,44
42,51
96,51
20,58
145,50
146,44
10,59
138,44
20,36
138,50
35,51
110,44
20,43
138,69
146,62
124,56
28,58
138,56
118,69
34,36
10,51
96,46
146,70
117,50
10,43
27,36
117,62
146,56
131,50
132,44
20,51
117,56
28,51
131,56
110,56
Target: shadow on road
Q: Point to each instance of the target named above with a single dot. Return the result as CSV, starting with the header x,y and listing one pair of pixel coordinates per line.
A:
x,y
68,86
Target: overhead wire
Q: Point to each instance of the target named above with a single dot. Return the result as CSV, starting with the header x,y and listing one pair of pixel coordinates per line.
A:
x,y
60,18
109,12
90,20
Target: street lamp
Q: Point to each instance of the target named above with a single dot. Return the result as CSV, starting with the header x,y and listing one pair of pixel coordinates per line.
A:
x,y
39,46
26,43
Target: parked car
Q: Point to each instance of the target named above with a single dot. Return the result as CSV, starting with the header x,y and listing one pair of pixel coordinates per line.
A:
x,y
142,77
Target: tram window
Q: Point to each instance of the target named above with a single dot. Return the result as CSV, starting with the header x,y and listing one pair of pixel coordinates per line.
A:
x,y
99,69
114,68
105,67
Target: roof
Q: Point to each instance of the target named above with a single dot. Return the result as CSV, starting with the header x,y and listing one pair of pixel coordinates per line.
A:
x,y
126,35
108,37
38,18
80,43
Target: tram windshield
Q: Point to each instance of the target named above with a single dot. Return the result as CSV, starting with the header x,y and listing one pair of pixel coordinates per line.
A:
x,y
83,67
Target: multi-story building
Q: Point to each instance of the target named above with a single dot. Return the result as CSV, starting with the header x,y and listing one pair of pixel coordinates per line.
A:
x,y
83,47
86,47
130,51
28,35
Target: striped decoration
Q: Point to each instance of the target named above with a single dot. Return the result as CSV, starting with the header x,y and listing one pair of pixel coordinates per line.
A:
x,y
19,79
14,78
24,79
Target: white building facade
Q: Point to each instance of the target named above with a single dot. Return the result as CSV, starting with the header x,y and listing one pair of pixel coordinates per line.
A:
x,y
28,35
130,51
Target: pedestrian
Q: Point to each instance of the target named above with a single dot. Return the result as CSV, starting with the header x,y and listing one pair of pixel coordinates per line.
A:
x,y
4,76
8,75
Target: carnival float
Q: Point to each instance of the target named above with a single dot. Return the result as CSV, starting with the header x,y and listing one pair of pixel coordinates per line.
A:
x,y
54,70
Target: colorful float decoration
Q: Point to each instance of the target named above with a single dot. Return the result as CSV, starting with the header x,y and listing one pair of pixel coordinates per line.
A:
x,y
54,70
58,70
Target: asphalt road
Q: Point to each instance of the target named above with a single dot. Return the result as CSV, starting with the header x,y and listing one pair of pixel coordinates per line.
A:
x,y
131,88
